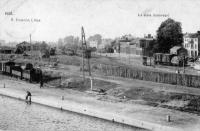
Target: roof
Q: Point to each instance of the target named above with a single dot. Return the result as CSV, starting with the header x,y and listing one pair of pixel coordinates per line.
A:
x,y
133,46
135,41
124,45
148,39
175,48
7,48
191,35
23,43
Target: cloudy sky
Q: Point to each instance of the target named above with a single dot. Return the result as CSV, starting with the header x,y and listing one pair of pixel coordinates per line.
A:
x,y
112,18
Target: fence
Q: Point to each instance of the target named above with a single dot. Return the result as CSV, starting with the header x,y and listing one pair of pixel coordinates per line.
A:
x,y
154,76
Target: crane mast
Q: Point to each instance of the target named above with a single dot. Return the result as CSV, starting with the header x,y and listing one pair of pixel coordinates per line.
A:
x,y
84,52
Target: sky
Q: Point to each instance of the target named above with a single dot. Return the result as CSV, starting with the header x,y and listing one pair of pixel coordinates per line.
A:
x,y
49,20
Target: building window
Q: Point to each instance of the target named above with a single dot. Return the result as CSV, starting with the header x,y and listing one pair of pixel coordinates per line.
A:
x,y
189,53
192,53
192,46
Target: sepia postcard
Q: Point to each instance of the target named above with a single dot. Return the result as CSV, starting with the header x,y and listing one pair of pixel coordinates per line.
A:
x,y
99,65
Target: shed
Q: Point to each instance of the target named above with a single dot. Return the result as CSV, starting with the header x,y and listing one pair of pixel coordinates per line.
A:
x,y
178,50
7,50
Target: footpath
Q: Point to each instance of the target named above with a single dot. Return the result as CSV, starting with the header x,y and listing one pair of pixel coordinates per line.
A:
x,y
143,116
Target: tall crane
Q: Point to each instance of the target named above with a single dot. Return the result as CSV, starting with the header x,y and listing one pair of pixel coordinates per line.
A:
x,y
83,45
84,51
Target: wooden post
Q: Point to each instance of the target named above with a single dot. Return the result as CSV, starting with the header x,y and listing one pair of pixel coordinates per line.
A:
x,y
168,118
62,98
91,83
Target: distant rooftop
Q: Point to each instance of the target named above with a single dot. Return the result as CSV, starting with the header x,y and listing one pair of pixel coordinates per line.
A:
x,y
192,35
6,48
135,41
175,48
148,36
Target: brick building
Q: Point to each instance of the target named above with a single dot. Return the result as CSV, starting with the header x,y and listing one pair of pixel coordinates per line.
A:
x,y
137,46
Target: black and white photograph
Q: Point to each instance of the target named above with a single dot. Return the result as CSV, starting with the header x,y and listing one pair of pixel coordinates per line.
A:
x,y
99,65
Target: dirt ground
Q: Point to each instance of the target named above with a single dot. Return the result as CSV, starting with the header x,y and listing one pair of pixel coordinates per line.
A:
x,y
178,101
142,92
130,91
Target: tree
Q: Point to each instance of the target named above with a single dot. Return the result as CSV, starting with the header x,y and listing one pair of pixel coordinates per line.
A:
x,y
68,40
60,43
96,37
52,51
151,47
46,54
169,34
69,43
43,46
109,48
19,50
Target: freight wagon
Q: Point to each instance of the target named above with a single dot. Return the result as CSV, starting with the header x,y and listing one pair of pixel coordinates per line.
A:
x,y
2,65
169,59
16,71
7,67
28,73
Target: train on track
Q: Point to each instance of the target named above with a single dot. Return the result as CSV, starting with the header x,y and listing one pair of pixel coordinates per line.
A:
x,y
169,59
26,72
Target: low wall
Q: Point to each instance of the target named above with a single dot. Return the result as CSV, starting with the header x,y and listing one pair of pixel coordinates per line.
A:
x,y
154,76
